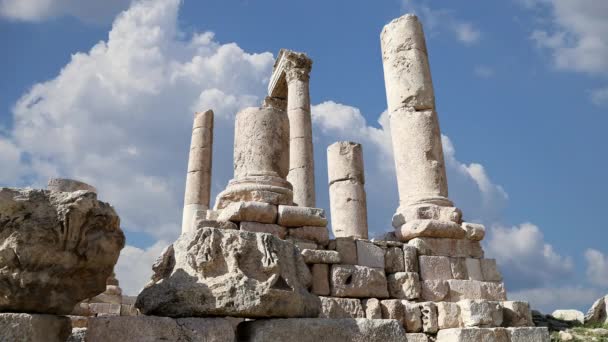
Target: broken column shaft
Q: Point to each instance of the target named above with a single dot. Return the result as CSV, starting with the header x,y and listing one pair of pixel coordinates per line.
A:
x,y
416,136
198,180
347,197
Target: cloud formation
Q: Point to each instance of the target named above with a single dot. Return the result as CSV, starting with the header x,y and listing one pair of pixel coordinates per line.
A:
x,y
97,12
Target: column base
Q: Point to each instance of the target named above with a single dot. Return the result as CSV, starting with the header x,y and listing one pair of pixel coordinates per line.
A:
x,y
188,217
268,189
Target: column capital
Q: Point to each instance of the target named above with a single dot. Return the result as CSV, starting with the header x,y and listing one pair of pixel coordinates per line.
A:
x,y
300,74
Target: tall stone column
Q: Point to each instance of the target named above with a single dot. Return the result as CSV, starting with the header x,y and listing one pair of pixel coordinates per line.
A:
x,y
347,197
261,159
301,162
415,132
198,179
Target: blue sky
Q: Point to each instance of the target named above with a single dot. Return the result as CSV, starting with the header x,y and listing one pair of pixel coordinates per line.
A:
x,y
521,92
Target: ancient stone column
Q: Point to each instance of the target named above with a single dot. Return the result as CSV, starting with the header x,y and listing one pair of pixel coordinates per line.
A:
x,y
198,179
301,162
68,185
347,198
261,159
415,132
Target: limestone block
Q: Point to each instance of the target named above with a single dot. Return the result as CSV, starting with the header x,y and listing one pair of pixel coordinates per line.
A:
x,y
303,244
393,260
128,310
68,185
429,228
79,321
319,256
597,311
268,228
347,249
433,290
412,316
522,334
410,258
320,279
292,216
249,211
404,285
417,337
426,211
448,315
489,269
217,272
474,231
372,308
104,309
429,317
393,309
56,249
493,291
345,162
516,314
434,267
348,206
341,308
203,222
369,254
320,235
473,334
464,289
457,248
358,282
321,329
480,313
387,239
152,328
77,335
256,188
459,268
34,328
569,315
473,269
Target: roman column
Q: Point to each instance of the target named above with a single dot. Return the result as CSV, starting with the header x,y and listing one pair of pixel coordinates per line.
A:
x,y
416,137
198,179
301,161
261,158
347,198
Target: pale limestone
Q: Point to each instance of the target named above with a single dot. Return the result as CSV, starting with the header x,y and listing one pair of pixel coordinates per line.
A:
x,y
218,272
429,228
426,211
151,328
569,315
459,268
203,222
474,231
413,317
474,334
433,290
104,309
341,308
417,337
319,235
34,327
473,269
68,185
429,318
249,211
303,244
314,256
393,309
434,267
528,334
410,258
321,329
480,313
369,254
597,311
292,216
372,308
457,248
493,291
358,282
448,315
57,249
516,314
345,162
348,205
393,260
489,269
464,289
269,228
347,249
404,285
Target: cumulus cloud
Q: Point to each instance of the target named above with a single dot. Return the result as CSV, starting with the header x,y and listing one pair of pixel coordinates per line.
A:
x,y
525,258
133,269
597,267
599,97
39,10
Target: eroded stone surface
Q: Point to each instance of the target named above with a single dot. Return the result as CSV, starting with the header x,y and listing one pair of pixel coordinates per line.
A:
x,y
393,260
480,313
320,235
341,308
358,282
319,256
516,314
372,308
429,228
34,328
448,315
320,279
434,267
269,228
433,290
57,249
369,254
404,285
292,216
249,211
457,248
232,273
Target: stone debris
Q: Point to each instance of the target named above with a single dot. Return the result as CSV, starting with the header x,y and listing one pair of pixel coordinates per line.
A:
x,y
569,315
597,312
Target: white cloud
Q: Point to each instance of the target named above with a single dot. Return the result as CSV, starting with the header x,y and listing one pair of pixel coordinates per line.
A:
x,y
435,19
599,97
526,259
483,71
597,267
134,267
548,299
39,10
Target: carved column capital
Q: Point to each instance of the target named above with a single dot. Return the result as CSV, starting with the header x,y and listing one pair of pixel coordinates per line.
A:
x,y
300,74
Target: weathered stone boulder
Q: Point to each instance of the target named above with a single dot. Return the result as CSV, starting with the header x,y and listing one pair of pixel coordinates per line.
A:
x,y
597,312
218,272
56,249
34,328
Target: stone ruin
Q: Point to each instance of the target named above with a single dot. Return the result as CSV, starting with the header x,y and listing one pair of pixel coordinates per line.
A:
x,y
260,264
